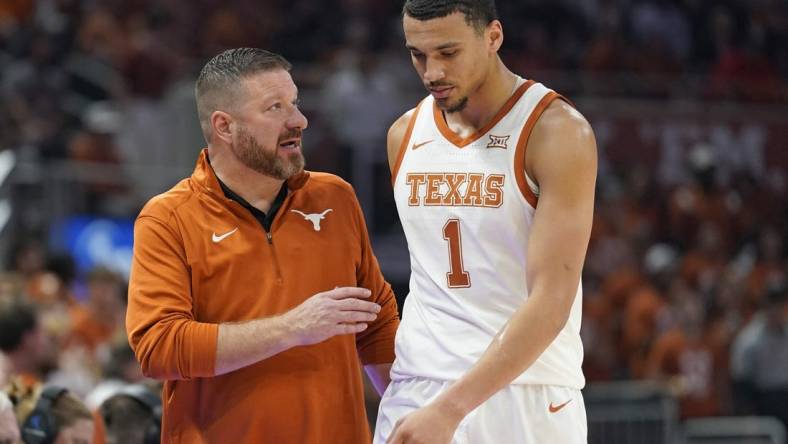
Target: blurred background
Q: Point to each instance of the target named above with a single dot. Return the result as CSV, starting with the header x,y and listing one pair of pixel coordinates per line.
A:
x,y
685,308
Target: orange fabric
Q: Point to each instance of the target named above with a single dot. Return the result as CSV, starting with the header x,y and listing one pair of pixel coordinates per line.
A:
x,y
403,147
461,142
522,145
183,285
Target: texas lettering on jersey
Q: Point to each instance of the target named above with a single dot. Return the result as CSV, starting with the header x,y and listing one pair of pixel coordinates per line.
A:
x,y
455,189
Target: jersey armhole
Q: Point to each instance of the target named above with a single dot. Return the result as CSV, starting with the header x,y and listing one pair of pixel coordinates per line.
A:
x,y
403,146
524,183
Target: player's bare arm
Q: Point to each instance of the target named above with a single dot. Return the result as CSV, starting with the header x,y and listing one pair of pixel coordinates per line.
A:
x,y
562,159
395,137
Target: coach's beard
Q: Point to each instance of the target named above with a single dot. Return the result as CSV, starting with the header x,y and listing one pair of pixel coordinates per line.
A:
x,y
267,162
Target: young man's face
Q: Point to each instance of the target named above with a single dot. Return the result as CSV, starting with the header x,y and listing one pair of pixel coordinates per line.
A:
x,y
268,125
451,56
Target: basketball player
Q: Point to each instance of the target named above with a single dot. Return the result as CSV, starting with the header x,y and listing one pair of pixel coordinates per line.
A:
x,y
494,180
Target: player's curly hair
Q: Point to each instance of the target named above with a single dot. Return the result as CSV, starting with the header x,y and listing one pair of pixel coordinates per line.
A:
x,y
478,13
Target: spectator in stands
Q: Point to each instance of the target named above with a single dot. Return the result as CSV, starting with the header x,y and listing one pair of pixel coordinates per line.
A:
x,y
132,416
52,415
23,341
759,358
101,317
9,429
684,358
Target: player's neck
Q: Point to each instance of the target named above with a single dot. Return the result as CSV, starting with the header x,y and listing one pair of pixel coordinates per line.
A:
x,y
254,187
485,103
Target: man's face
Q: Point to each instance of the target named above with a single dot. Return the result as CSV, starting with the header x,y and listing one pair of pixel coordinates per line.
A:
x,y
268,125
450,56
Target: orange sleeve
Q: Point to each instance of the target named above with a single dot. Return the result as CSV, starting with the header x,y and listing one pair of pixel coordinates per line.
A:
x,y
166,339
375,344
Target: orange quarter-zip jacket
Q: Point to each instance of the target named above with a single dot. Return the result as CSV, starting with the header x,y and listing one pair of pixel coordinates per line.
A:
x,y
201,259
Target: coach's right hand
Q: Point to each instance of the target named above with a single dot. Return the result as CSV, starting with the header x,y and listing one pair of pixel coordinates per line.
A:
x,y
340,311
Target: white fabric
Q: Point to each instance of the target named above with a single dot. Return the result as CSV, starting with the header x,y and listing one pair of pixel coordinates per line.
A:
x,y
517,414
444,331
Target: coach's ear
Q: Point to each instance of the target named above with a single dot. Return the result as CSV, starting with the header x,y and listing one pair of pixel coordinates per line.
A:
x,y
222,126
493,35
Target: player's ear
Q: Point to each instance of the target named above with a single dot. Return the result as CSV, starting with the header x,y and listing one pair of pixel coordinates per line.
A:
x,y
221,125
494,35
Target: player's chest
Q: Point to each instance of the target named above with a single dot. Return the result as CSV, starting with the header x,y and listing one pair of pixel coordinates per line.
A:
x,y
449,176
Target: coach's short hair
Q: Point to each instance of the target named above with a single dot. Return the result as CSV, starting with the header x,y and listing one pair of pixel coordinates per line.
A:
x,y
218,85
478,13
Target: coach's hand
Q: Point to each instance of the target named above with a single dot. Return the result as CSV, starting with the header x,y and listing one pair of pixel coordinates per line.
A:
x,y
430,424
340,311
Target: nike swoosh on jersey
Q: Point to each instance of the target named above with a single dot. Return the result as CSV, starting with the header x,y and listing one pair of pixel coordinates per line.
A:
x,y
218,238
419,145
554,408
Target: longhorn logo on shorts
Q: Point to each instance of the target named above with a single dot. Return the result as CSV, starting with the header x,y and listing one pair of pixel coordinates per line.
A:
x,y
498,142
315,218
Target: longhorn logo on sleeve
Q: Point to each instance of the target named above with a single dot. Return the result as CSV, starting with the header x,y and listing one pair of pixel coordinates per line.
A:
x,y
315,218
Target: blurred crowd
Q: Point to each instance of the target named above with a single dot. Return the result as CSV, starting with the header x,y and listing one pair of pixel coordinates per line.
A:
x,y
687,284
110,82
684,282
55,331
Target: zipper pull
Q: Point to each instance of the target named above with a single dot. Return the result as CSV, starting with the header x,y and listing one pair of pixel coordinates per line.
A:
x,y
268,235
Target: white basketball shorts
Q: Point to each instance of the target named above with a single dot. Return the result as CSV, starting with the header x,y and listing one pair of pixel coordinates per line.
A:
x,y
518,414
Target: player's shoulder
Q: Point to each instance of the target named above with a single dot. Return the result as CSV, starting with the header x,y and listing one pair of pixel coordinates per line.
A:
x,y
561,127
398,129
561,144
398,133
560,115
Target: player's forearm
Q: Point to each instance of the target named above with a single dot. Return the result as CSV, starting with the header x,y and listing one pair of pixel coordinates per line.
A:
x,y
515,348
243,344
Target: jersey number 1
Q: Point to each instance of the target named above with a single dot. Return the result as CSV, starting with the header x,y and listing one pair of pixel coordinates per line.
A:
x,y
457,276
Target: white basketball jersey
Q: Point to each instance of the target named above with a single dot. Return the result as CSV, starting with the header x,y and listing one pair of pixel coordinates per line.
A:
x,y
467,206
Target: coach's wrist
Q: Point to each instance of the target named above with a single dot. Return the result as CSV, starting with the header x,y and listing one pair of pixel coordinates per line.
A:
x,y
291,334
